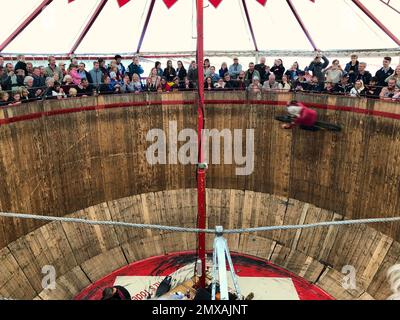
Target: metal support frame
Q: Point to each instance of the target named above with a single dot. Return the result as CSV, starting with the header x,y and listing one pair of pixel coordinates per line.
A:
x,y
25,23
390,6
246,11
146,24
88,25
301,23
201,169
370,15
221,255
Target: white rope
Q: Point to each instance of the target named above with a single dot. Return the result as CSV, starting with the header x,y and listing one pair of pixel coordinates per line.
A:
x,y
196,230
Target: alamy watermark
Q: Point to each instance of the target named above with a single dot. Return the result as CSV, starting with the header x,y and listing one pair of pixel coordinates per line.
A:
x,y
237,148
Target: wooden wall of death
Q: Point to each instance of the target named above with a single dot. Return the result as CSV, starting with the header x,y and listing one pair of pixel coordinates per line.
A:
x,y
62,162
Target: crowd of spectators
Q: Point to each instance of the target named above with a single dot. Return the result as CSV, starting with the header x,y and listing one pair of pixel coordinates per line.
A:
x,y
24,82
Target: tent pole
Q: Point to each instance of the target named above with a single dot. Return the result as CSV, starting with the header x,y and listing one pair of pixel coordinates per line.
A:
x,y
376,21
88,25
25,23
201,170
146,24
301,23
246,11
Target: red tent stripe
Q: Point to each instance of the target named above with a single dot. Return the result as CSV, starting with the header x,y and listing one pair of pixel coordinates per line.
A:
x,y
121,3
170,3
215,3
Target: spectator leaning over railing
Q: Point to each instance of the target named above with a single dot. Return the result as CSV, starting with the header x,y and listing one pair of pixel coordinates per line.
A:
x,y
363,74
25,98
396,76
351,68
334,73
108,87
285,85
4,98
317,66
126,85
186,85
344,87
383,73
235,69
300,84
358,90
315,85
329,88
85,89
271,83
33,93
372,91
255,85
68,83
390,91
136,83
229,83
220,84
208,84
240,82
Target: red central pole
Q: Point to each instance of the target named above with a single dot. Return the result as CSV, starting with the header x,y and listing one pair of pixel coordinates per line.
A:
x,y
201,172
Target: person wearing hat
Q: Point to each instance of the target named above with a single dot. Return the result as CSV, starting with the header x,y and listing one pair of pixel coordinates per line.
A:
x,y
344,87
255,86
235,69
302,116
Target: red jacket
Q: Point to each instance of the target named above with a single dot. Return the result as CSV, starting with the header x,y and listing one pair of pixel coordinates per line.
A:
x,y
308,116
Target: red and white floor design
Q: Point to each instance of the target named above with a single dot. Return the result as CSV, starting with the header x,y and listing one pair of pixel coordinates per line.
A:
x,y
265,280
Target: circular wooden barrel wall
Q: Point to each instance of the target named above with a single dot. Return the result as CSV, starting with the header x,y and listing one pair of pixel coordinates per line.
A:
x,y
86,157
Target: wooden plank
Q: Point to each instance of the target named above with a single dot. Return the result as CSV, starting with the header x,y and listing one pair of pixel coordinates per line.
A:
x,y
13,282
103,264
47,246
67,286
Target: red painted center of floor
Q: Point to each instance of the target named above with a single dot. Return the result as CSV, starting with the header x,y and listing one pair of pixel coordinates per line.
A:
x,y
245,266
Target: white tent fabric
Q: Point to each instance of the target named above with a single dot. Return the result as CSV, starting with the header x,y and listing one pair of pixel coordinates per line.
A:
x,y
333,24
